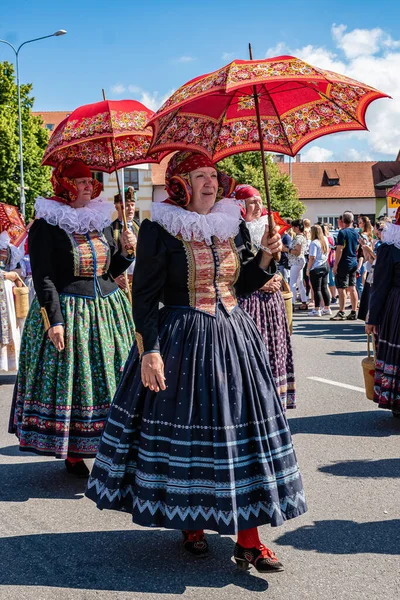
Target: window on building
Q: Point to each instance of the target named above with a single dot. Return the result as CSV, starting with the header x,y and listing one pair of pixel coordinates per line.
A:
x,y
99,176
50,126
131,177
330,219
331,177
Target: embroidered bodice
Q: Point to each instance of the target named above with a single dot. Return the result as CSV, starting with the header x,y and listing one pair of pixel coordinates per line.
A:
x,y
212,273
91,254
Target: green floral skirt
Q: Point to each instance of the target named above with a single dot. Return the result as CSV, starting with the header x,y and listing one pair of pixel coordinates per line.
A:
x,y
61,399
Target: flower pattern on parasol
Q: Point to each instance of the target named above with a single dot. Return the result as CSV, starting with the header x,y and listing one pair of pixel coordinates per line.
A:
x,y
215,113
11,222
89,132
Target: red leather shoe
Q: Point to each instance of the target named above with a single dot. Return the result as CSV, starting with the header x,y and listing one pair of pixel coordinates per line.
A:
x,y
262,558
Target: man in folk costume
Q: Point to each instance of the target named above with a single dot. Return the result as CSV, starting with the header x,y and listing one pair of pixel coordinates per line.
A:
x,y
133,226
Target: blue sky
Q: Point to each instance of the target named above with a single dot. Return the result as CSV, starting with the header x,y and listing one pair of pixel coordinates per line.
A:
x,y
146,49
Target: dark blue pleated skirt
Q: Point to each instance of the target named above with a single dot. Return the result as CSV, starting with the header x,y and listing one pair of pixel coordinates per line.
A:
x,y
214,449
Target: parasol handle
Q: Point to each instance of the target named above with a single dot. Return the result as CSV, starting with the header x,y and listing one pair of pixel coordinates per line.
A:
x,y
271,224
125,222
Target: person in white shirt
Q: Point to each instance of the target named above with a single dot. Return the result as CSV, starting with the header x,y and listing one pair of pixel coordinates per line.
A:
x,y
318,271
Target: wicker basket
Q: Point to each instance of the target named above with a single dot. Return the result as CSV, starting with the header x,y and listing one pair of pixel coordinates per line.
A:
x,y
287,296
368,366
21,300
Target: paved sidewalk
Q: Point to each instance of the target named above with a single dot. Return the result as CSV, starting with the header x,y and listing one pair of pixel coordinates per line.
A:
x,y
54,543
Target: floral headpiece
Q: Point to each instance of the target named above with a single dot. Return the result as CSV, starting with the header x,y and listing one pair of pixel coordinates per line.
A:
x,y
63,180
177,177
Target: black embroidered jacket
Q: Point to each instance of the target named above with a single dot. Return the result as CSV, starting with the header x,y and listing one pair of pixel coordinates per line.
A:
x,y
193,274
72,264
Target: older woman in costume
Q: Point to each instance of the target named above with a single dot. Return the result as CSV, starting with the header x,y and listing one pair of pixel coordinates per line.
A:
x,y
196,436
266,306
79,329
10,326
383,318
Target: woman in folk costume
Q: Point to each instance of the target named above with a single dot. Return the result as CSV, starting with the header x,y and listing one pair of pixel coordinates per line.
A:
x,y
10,326
266,306
196,436
383,318
79,329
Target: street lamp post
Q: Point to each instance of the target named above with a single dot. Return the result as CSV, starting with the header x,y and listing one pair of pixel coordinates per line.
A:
x,y
21,158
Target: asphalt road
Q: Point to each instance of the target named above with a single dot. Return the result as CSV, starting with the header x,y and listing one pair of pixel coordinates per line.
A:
x,y
54,543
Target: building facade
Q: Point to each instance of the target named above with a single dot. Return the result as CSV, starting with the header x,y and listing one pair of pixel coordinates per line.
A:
x,y
329,188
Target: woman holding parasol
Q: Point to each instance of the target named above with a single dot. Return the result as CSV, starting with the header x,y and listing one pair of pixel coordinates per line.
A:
x,y
266,305
196,437
79,328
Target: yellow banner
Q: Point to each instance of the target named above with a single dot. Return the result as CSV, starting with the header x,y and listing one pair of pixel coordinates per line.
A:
x,y
393,202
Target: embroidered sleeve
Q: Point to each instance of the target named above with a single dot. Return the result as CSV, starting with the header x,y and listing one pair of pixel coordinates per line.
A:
x,y
43,256
148,283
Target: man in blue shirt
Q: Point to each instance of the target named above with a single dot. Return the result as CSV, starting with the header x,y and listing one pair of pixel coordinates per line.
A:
x,y
284,262
345,267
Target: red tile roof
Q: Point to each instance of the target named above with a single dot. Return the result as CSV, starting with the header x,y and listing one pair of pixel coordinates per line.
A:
x,y
356,179
53,117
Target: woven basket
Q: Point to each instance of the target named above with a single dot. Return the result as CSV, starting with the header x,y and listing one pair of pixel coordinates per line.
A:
x,y
21,300
368,366
287,296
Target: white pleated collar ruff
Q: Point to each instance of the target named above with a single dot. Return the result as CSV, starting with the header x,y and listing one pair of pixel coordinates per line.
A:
x,y
222,221
95,216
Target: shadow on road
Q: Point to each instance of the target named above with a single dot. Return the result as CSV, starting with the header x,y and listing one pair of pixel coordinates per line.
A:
x,y
346,537
346,353
136,561
8,379
374,423
386,467
330,330
21,481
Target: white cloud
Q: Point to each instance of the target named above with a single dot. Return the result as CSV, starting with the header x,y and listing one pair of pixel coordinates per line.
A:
x,y
356,155
153,100
372,57
185,59
359,42
134,89
228,56
118,89
316,154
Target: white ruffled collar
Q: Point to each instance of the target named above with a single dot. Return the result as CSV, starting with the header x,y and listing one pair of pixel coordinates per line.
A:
x,y
257,229
222,221
391,234
95,216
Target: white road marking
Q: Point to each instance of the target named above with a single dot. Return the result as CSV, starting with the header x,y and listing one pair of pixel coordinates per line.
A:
x,y
338,384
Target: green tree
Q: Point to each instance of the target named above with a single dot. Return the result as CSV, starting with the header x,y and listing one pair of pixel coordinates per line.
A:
x,y
247,168
34,137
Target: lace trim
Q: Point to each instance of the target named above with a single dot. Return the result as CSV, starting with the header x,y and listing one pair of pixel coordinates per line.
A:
x,y
391,234
16,254
256,229
95,216
222,221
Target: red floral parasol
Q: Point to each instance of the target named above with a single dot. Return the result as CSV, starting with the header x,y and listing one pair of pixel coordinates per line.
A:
x,y
11,221
395,191
281,224
216,113
90,131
